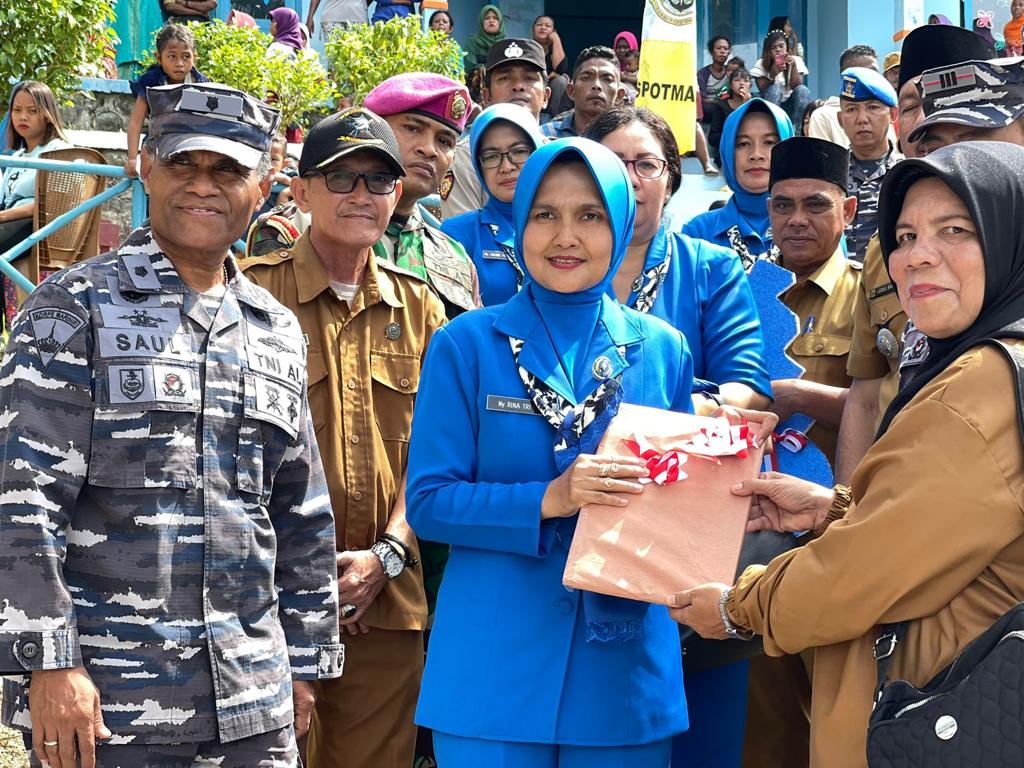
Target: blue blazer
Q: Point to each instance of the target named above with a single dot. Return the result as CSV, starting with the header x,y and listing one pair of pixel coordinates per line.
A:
x,y
706,295
508,660
473,230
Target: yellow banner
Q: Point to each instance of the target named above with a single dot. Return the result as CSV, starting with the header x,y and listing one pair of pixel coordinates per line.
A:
x,y
667,80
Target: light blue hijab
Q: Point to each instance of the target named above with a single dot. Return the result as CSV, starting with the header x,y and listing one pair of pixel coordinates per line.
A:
x,y
749,208
572,319
522,119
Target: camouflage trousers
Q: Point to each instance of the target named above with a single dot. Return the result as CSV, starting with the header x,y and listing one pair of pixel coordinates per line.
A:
x,y
274,749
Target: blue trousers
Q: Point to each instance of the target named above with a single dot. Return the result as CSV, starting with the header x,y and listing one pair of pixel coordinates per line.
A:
x,y
717,702
457,752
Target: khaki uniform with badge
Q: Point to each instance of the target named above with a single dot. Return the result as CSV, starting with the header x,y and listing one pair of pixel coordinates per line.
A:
x,y
364,362
878,322
165,521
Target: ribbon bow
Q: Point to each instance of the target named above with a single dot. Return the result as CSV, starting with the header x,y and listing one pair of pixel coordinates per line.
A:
x,y
709,443
985,18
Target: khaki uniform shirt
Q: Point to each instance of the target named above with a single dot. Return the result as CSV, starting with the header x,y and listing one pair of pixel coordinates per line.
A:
x,y
941,548
364,371
877,307
823,303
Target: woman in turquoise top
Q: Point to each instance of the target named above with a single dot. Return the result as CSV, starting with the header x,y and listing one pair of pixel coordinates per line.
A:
x,y
503,137
697,287
33,127
742,224
523,673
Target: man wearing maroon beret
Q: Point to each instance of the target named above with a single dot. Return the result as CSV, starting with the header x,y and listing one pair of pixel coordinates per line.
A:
x,y
427,113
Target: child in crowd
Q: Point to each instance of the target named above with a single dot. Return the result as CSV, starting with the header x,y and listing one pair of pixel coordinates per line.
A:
x,y
175,64
733,64
282,173
1012,32
631,65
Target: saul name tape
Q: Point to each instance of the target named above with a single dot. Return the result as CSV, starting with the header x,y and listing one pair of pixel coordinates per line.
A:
x,y
118,342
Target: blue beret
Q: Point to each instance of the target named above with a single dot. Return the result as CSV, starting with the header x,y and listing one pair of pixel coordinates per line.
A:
x,y
863,84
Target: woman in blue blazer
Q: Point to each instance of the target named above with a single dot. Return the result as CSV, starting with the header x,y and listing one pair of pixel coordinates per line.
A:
x,y
503,136
742,224
697,287
523,672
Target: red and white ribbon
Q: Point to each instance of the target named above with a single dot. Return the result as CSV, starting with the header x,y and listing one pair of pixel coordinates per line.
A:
x,y
710,443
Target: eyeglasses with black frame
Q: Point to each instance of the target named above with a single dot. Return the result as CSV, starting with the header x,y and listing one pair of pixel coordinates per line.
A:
x,y
342,182
648,167
517,156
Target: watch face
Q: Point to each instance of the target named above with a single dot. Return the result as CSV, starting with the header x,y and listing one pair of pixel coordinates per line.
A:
x,y
389,559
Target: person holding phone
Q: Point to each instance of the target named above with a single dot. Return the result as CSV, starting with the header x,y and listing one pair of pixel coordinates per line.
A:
x,y
779,75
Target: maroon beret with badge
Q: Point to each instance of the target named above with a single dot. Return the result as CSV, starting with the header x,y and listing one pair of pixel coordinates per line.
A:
x,y
423,93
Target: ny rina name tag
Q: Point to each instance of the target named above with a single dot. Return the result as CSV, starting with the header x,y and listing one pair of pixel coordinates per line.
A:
x,y
511,405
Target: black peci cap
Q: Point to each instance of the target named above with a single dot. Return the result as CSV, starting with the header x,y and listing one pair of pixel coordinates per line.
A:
x,y
939,45
805,158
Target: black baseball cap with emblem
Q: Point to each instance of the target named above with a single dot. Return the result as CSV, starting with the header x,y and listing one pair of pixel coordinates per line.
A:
x,y
516,50
210,117
352,130
978,94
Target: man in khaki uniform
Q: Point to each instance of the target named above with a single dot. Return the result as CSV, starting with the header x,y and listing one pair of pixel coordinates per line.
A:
x,y
809,210
368,324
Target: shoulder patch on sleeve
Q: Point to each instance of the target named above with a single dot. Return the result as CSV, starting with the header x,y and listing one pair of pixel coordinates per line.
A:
x,y
52,329
268,259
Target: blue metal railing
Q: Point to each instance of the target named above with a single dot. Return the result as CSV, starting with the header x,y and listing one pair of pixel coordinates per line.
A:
x,y
111,171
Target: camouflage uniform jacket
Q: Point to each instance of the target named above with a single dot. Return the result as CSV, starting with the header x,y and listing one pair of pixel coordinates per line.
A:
x,y
866,188
164,520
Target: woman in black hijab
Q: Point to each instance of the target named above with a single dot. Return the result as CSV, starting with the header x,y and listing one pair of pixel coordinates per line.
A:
x,y
932,531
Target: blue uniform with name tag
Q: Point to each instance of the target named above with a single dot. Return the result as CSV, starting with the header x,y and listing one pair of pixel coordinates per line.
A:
x,y
518,664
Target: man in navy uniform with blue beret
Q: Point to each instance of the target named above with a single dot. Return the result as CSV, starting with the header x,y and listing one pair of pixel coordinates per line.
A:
x,y
168,583
867,108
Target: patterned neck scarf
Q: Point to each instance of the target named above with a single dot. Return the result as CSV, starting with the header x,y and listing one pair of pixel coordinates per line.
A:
x,y
739,247
648,283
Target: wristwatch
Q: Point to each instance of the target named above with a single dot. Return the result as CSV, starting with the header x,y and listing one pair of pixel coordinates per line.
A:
x,y
392,562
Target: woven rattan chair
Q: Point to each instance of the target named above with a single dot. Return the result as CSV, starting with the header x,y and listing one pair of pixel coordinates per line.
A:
x,y
58,192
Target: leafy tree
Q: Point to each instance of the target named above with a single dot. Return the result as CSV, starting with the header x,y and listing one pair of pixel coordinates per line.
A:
x,y
235,56
52,41
363,56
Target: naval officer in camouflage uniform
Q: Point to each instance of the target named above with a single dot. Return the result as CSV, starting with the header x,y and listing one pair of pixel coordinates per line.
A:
x,y
167,552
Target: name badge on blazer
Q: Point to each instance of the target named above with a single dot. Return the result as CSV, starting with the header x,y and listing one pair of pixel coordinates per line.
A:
x,y
511,405
499,255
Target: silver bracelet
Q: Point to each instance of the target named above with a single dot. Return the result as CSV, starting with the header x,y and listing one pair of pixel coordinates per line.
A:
x,y
731,629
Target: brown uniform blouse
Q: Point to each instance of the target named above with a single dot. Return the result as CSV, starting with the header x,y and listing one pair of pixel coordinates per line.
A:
x,y
364,371
935,536
823,303
877,307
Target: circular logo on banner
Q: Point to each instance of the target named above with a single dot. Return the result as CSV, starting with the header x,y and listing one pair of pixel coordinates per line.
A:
x,y
676,12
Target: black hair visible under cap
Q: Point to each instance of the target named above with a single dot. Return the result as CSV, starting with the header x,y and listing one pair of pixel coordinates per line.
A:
x,y
802,157
939,45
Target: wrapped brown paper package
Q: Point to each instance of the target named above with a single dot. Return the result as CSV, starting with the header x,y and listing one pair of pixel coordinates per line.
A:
x,y
670,537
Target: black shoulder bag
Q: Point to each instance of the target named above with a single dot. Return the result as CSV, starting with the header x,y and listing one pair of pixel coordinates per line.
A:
x,y
970,715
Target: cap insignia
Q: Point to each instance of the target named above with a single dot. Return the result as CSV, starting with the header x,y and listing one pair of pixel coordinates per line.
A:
x,y
513,51
947,79
458,106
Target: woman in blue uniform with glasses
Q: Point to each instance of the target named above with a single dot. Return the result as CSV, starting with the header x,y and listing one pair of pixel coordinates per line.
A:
x,y
513,401
693,285
502,138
